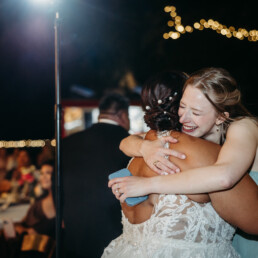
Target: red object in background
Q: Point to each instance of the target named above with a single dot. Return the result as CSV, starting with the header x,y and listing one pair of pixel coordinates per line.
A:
x,y
26,178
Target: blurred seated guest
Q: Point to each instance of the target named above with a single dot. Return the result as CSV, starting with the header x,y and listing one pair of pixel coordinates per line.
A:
x,y
12,155
46,153
39,221
40,218
3,163
5,185
24,174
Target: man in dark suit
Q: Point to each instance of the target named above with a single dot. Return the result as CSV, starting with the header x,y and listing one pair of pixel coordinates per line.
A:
x,y
92,215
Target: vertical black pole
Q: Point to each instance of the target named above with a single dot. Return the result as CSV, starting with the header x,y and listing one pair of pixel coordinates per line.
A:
x,y
58,136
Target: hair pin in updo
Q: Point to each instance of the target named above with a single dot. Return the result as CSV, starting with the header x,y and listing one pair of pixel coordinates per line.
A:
x,y
165,112
159,101
147,107
175,93
170,98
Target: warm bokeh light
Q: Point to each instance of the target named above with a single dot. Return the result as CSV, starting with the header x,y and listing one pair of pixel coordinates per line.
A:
x,y
206,25
178,18
188,28
173,8
175,35
53,143
180,28
173,14
23,143
202,21
197,25
165,35
231,28
224,30
171,23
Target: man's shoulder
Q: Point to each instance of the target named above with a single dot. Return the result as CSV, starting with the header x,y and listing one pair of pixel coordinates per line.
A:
x,y
111,129
74,136
82,133
93,132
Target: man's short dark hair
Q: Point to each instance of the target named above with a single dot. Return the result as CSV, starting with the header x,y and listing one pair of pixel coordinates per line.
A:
x,y
112,103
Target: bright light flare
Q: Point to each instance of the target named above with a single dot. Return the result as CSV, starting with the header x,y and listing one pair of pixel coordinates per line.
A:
x,y
42,1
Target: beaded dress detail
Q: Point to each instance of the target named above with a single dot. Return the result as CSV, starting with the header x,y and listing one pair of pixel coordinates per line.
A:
x,y
179,228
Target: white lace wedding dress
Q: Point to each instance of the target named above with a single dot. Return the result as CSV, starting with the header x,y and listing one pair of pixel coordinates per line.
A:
x,y
178,228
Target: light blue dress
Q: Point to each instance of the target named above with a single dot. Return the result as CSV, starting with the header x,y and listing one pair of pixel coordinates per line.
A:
x,y
247,245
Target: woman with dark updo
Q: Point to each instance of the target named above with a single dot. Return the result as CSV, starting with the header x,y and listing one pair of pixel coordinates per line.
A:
x,y
174,225
210,108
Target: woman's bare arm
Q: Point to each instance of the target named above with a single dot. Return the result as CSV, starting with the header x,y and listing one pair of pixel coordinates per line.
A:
x,y
235,158
131,145
239,205
151,151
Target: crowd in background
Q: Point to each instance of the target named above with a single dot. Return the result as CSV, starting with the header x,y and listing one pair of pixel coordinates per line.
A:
x,y
27,177
19,171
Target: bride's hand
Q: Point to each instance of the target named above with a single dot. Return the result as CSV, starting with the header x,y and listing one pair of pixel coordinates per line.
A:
x,y
154,153
131,186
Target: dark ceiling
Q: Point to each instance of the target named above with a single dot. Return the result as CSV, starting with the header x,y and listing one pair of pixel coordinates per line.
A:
x,y
100,41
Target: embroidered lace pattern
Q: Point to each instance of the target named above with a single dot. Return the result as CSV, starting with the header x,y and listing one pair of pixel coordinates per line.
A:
x,y
178,227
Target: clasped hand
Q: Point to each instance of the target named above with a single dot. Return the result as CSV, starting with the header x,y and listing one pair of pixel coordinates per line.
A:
x,y
131,186
154,154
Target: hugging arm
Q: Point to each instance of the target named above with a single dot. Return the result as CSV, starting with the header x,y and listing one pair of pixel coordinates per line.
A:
x,y
239,205
229,168
131,145
151,151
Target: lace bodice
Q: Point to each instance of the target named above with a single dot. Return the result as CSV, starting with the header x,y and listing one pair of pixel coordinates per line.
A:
x,y
177,217
178,227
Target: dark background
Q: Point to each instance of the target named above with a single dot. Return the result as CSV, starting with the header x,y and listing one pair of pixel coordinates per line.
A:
x,y
100,41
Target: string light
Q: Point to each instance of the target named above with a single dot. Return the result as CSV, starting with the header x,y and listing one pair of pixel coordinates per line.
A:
x,y
27,143
231,31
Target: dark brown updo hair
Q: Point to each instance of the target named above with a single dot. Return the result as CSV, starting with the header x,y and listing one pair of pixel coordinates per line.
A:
x,y
161,95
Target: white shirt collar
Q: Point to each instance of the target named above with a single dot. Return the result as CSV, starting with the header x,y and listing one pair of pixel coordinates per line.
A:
x,y
107,121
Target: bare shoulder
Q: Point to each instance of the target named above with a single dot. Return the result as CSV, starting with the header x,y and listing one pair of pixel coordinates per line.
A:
x,y
248,126
151,135
188,141
199,152
246,121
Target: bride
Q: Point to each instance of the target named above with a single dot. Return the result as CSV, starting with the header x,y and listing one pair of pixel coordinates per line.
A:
x,y
171,225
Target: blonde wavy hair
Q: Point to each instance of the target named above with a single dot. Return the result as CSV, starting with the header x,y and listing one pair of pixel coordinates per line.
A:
x,y
222,91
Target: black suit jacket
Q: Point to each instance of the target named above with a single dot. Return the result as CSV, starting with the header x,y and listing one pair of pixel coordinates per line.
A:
x,y
92,215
